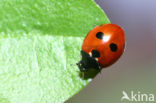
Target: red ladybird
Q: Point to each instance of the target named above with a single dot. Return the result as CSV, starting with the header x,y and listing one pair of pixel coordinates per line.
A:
x,y
102,47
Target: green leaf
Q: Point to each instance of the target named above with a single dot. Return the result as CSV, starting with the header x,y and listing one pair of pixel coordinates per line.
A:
x,y
40,43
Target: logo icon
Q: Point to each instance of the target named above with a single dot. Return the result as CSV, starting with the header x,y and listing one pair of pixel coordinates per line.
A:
x,y
125,96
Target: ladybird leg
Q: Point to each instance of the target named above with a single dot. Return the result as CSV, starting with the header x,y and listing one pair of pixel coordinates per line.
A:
x,y
100,70
95,25
82,75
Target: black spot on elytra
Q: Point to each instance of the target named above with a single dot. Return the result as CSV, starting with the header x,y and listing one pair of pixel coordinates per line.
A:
x,y
95,54
100,35
113,47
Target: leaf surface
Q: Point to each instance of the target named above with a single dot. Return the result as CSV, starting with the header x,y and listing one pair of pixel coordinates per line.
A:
x,y
40,43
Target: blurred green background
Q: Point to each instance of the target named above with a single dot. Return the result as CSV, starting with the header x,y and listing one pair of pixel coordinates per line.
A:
x,y
136,69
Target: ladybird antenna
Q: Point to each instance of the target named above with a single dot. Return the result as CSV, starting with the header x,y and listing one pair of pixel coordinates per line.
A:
x,y
73,64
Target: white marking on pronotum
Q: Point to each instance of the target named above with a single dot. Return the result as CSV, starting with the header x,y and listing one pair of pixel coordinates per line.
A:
x,y
96,59
90,54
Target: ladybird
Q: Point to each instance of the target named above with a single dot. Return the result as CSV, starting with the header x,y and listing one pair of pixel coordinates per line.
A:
x,y
102,47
